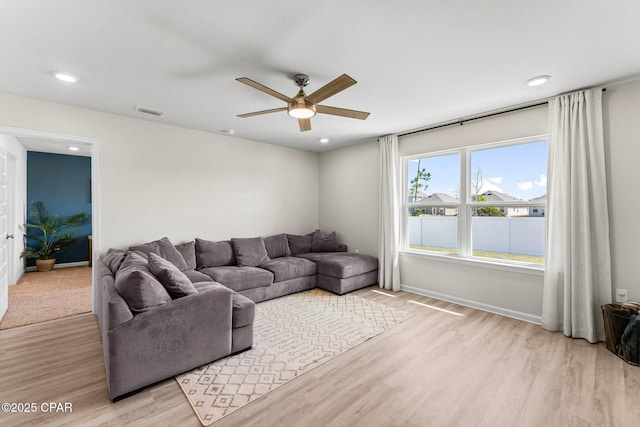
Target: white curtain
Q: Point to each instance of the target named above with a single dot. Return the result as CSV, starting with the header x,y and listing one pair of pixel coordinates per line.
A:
x,y
577,278
389,214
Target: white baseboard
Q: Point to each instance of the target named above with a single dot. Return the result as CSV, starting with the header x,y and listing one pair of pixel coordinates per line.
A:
x,y
64,265
18,278
526,317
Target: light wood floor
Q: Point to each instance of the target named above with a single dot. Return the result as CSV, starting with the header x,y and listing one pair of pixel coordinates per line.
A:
x,y
435,369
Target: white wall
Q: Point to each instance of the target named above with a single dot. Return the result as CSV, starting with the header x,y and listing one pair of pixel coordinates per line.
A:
x,y
157,180
621,109
348,195
349,204
18,151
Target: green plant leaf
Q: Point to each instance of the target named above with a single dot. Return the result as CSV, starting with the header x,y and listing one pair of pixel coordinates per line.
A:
x,y
50,239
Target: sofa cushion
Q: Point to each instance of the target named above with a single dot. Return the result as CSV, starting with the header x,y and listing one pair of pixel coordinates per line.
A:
x,y
165,249
299,244
206,286
277,246
250,252
342,264
214,254
244,311
113,259
174,281
196,276
137,286
287,268
188,252
321,242
239,278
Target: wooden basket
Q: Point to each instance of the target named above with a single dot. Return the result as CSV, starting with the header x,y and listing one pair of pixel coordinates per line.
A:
x,y
616,319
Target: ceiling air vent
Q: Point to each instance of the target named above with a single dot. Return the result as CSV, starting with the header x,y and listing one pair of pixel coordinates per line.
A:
x,y
147,110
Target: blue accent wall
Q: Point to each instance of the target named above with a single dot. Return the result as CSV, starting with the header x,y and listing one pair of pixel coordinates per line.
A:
x,y
64,184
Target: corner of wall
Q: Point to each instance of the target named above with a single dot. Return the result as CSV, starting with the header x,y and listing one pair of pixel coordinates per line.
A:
x,y
348,195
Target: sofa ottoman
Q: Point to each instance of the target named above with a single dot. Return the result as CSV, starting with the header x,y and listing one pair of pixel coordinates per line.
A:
x,y
342,272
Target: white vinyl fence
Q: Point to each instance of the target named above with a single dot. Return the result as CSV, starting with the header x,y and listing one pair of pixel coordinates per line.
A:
x,y
515,235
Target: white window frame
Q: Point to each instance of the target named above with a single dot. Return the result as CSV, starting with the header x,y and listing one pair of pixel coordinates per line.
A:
x,y
465,206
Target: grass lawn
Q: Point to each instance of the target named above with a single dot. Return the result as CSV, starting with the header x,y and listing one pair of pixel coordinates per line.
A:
x,y
486,254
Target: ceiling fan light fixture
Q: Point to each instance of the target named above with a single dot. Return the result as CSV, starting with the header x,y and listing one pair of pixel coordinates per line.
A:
x,y
303,107
301,110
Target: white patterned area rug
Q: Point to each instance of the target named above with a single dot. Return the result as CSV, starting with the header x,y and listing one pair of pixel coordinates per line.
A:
x,y
292,335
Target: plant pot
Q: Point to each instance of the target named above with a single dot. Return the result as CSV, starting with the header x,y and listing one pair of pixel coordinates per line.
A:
x,y
45,264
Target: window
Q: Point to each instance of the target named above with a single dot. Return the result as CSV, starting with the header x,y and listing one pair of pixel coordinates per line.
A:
x,y
432,190
479,202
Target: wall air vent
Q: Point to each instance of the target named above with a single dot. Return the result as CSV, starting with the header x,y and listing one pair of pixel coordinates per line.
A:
x,y
147,110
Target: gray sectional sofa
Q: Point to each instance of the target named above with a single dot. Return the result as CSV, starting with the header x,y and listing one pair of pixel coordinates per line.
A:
x,y
165,309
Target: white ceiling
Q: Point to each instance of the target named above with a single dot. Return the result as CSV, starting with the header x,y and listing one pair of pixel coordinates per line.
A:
x,y
417,62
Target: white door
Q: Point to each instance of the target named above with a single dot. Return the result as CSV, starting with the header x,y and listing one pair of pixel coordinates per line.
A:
x,y
4,286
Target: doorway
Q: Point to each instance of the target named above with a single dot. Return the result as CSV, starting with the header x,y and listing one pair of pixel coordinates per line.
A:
x,y
69,271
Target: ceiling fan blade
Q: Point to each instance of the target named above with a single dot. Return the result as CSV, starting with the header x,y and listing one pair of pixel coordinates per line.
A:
x,y
264,89
330,89
343,112
259,113
305,124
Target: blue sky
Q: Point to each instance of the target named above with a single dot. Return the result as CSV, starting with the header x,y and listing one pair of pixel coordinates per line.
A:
x,y
518,170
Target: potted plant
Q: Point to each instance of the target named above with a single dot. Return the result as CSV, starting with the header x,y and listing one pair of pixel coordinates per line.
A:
x,y
48,239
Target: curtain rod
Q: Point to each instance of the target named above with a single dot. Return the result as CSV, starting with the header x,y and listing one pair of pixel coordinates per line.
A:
x,y
470,119
482,116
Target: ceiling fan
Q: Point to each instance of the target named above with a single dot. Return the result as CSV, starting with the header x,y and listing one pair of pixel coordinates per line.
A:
x,y
302,106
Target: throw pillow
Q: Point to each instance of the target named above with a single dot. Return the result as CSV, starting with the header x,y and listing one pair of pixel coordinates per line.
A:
x,y
165,249
250,252
113,259
321,242
188,252
299,244
277,246
214,254
174,281
137,286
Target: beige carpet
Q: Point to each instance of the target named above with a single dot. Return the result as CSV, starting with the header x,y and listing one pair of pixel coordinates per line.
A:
x,y
39,297
292,335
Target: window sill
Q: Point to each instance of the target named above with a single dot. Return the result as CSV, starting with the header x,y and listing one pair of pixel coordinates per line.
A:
x,y
532,269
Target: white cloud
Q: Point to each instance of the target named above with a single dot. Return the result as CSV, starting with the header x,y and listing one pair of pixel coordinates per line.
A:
x,y
495,180
542,182
488,185
524,185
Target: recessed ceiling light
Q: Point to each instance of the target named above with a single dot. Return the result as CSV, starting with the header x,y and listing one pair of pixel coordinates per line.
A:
x,y
65,77
324,140
72,148
538,80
